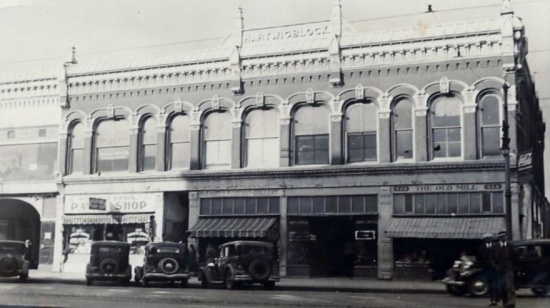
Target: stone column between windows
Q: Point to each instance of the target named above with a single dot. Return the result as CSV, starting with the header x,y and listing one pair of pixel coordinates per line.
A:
x,y
470,131
236,144
193,215
283,236
385,244
88,152
160,161
284,138
134,150
62,153
57,265
420,134
384,137
336,155
194,161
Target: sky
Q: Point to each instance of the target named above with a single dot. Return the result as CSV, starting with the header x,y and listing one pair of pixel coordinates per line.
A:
x,y
39,34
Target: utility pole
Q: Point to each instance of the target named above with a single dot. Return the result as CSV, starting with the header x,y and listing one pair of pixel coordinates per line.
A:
x,y
505,151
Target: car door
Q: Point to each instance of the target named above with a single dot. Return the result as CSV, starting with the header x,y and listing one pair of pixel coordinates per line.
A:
x,y
531,267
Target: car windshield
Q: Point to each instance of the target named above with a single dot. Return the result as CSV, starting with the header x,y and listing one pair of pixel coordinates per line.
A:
x,y
264,250
11,247
111,250
168,249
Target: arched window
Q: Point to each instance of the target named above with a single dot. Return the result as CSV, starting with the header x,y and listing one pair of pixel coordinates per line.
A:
x,y
489,125
179,135
112,140
148,137
445,126
402,126
75,162
311,127
262,138
361,125
217,140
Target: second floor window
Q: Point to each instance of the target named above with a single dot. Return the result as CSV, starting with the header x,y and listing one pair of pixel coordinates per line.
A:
x,y
75,163
217,140
179,135
112,143
148,137
361,122
445,124
311,128
489,125
262,138
402,129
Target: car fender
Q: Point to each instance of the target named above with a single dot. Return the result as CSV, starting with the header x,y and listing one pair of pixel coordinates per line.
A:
x,y
470,273
207,273
232,267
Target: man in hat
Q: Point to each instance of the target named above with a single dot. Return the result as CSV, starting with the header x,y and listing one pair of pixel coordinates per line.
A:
x,y
504,258
484,260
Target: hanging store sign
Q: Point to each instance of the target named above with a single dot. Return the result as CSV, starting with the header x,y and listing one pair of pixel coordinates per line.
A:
x,y
525,161
123,203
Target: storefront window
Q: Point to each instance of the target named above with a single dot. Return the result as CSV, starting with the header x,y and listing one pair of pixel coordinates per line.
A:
x,y
361,127
179,142
262,138
217,140
112,141
311,128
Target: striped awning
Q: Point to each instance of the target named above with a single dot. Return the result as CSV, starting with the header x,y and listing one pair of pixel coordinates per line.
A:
x,y
232,226
444,227
106,219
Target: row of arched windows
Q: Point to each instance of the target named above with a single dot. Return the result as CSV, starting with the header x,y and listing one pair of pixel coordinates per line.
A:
x,y
310,135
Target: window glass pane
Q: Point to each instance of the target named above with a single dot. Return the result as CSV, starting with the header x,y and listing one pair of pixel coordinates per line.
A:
x,y
318,204
311,119
464,203
344,204
429,200
454,149
355,155
216,206
490,110
217,126
490,137
274,205
304,158
293,205
263,206
361,117
227,206
409,201
486,202
250,206
357,204
321,142
419,204
370,146
332,204
398,204
239,206
113,133
404,145
321,157
263,152
179,155
475,203
498,203
149,157
77,160
112,159
77,136
453,134
445,111
441,203
262,123
149,131
205,207
255,152
306,205
218,153
372,203
452,203
355,141
179,129
402,114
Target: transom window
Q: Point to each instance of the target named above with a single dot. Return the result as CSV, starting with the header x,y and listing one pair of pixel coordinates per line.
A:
x,y
179,150
239,206
217,140
262,138
402,124
112,141
361,126
75,163
489,119
445,127
311,128
148,153
449,203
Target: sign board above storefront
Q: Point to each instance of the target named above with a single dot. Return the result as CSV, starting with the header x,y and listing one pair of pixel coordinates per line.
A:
x,y
525,161
118,203
365,235
310,30
447,188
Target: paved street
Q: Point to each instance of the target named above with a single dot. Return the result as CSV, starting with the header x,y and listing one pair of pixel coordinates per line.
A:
x,y
39,292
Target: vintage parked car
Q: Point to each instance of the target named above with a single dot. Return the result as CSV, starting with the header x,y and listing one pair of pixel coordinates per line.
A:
x,y
13,260
241,262
164,262
109,261
533,271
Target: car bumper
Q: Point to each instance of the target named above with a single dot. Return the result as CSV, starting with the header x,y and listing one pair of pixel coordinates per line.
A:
x,y
161,276
100,276
246,277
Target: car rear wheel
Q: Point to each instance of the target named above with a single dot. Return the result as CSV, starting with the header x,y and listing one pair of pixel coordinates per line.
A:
x,y
230,283
8,267
477,286
259,269
108,266
541,291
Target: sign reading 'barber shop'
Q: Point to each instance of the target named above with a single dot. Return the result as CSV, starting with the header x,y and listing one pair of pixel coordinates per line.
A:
x,y
120,203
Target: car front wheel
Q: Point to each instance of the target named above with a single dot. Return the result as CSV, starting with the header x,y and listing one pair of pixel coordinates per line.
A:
x,y
477,286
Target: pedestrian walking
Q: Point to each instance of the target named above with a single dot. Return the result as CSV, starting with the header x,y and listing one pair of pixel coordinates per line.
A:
x,y
504,259
193,264
483,258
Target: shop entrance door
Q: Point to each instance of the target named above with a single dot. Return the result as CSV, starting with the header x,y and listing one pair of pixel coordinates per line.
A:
x,y
332,251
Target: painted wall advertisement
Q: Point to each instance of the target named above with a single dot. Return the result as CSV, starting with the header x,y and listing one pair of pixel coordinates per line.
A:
x,y
117,203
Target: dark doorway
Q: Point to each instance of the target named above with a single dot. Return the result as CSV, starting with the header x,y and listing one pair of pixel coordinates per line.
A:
x,y
332,251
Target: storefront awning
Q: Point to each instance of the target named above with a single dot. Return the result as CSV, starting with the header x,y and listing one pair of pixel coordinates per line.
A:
x,y
444,227
232,227
106,219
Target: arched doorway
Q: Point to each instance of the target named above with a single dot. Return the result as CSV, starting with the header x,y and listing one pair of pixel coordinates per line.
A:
x,y
19,221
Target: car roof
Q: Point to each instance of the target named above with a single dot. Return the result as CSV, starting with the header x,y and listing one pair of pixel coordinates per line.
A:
x,y
531,242
111,243
12,242
254,243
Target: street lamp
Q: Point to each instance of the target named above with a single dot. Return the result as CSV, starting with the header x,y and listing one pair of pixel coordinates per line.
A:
x,y
505,151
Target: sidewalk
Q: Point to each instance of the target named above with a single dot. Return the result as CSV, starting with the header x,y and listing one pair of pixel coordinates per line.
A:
x,y
288,283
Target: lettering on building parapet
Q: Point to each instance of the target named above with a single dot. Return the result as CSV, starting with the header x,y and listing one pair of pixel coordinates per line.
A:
x,y
286,33
449,187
